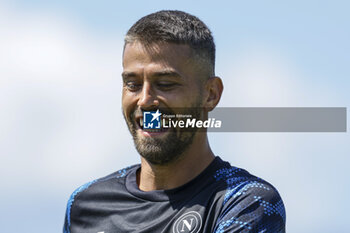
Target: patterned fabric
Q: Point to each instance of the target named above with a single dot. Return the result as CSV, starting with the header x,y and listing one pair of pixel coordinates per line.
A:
x,y
222,199
250,204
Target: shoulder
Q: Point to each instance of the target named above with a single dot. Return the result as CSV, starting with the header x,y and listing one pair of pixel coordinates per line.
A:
x,y
249,203
115,176
98,185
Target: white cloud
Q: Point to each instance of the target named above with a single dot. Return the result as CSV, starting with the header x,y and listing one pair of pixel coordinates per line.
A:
x,y
60,94
258,75
257,78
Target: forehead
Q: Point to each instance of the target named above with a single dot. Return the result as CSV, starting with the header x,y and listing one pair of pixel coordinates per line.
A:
x,y
178,56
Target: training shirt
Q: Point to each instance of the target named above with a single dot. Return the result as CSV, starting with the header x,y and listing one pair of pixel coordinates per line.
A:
x,y
221,199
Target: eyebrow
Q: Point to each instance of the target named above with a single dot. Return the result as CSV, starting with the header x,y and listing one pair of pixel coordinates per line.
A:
x,y
167,73
164,73
127,74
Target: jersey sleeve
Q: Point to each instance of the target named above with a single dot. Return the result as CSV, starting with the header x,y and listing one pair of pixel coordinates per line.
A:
x,y
67,219
253,206
66,225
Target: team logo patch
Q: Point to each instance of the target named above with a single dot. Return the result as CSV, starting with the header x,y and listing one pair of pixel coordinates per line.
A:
x,y
151,120
190,222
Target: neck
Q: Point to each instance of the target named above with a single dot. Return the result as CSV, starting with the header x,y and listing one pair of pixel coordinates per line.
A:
x,y
189,165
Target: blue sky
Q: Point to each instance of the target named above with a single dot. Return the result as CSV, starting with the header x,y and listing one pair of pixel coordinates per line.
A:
x,y
61,124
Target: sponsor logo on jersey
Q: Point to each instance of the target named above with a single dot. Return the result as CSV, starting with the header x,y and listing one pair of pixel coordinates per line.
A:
x,y
190,222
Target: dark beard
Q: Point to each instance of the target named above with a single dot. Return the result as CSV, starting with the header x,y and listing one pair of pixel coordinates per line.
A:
x,y
171,147
165,150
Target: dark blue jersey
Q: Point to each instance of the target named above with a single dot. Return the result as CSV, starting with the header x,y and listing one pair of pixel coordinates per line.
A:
x,y
221,199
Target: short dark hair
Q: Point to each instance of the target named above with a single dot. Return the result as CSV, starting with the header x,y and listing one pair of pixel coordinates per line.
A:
x,y
175,27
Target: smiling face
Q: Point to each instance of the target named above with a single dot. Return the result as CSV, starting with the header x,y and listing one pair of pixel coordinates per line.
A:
x,y
160,76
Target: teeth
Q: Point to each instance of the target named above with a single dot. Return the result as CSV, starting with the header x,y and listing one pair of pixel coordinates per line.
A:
x,y
141,122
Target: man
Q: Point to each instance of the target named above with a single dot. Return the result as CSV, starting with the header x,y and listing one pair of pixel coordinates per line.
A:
x,y
180,185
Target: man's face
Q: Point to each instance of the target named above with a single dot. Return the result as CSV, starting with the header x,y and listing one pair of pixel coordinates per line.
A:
x,y
161,76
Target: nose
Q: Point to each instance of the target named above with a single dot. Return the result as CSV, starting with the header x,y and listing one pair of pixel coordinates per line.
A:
x,y
147,100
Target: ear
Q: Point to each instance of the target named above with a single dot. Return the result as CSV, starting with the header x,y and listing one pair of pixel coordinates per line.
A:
x,y
214,88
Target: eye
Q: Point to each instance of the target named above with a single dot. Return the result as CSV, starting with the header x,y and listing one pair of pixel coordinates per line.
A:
x,y
133,86
166,85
